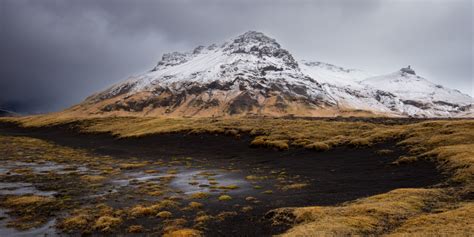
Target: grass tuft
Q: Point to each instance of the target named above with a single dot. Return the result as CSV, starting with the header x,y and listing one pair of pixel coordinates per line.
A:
x,y
28,200
92,178
107,223
405,160
164,214
183,233
75,222
318,146
135,229
224,198
294,186
199,195
195,205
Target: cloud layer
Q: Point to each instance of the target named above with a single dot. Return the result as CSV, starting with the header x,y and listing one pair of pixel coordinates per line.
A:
x,y
54,53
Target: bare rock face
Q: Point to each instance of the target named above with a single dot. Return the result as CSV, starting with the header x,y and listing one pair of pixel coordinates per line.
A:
x,y
253,75
260,45
408,70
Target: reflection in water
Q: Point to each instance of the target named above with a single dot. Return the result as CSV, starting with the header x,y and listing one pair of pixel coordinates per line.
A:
x,y
191,180
39,168
20,188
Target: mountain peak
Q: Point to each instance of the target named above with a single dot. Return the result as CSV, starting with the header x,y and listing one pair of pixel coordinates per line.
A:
x,y
254,36
408,70
258,44
251,41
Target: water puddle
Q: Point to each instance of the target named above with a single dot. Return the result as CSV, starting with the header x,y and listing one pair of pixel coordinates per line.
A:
x,y
208,180
136,177
47,229
20,188
3,170
190,181
45,167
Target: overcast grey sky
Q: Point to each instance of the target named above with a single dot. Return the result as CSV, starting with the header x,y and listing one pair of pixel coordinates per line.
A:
x,y
55,53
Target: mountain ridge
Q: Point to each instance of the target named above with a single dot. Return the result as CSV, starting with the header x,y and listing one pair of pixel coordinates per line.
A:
x,y
253,75
7,113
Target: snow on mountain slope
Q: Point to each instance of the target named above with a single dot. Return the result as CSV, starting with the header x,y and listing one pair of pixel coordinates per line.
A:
x,y
250,56
399,93
334,75
413,87
420,97
343,85
253,75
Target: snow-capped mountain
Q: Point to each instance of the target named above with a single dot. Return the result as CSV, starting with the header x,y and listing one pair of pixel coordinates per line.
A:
x,y
253,75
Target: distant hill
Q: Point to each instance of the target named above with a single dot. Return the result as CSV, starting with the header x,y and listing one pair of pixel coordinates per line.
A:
x,y
7,113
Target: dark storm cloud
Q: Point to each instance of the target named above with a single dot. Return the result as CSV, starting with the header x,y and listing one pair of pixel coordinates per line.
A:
x,y
55,53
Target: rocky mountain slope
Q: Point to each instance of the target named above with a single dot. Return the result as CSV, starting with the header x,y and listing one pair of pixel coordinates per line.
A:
x,y
253,75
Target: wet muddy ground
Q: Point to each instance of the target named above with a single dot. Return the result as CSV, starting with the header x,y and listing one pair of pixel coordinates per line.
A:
x,y
218,185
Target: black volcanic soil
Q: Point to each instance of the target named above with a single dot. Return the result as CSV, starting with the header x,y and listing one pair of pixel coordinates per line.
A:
x,y
335,176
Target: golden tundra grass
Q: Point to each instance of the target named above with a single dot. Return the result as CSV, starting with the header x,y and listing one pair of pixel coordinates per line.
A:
x,y
27,200
446,211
